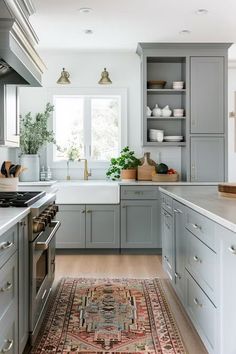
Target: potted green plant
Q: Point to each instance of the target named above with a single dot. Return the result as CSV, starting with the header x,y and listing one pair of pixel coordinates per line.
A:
x,y
34,134
124,167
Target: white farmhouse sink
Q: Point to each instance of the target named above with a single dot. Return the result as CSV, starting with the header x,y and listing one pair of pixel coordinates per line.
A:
x,y
88,192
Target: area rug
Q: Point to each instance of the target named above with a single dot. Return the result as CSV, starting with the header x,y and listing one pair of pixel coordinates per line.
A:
x,y
93,316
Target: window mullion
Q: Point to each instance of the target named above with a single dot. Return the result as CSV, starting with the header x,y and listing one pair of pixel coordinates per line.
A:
x,y
87,128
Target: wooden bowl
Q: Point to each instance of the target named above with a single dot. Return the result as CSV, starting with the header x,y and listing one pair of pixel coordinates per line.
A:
x,y
156,84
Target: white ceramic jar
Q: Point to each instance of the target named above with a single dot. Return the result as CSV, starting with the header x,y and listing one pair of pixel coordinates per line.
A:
x,y
166,111
156,112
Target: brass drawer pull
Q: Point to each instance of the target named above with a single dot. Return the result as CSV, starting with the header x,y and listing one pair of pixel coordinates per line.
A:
x,y
6,245
196,302
6,288
232,249
7,349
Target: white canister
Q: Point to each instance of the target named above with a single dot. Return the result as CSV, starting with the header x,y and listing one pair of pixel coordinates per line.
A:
x,y
9,184
156,112
31,163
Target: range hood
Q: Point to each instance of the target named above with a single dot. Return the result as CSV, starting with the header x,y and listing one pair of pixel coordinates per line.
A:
x,y
20,64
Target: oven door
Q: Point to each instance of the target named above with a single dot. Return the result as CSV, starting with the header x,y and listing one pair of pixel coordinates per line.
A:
x,y
42,254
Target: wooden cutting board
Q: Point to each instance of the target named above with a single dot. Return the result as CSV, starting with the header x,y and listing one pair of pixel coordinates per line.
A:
x,y
227,190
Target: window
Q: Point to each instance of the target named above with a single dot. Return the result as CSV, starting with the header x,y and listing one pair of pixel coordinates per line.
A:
x,y
90,123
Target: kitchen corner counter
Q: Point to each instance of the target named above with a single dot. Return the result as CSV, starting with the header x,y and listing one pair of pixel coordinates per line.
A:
x,y
10,217
206,201
178,183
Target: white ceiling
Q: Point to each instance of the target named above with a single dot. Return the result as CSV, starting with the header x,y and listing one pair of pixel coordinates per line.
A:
x,y
120,25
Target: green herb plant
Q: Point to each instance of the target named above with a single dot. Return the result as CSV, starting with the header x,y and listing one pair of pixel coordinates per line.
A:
x,y
125,161
34,132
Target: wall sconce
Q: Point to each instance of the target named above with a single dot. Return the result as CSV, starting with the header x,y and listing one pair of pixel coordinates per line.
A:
x,y
105,80
64,78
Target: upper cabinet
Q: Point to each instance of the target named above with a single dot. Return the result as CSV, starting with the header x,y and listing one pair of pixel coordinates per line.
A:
x,y
9,110
190,78
207,95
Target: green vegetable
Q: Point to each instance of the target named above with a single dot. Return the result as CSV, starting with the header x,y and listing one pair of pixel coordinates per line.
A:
x,y
162,168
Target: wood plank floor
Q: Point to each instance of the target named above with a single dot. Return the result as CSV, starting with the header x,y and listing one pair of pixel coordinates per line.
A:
x,y
130,266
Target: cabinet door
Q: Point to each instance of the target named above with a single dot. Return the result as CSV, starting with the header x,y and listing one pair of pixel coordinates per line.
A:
x,y
12,115
207,95
140,222
71,234
167,243
102,226
207,159
23,284
179,247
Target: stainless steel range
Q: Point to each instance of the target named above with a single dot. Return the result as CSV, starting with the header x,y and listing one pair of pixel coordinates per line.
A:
x,y
42,231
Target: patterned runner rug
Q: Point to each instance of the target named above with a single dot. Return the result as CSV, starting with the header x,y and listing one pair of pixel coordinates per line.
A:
x,y
121,316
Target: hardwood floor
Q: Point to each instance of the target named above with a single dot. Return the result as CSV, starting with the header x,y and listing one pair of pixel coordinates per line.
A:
x,y
130,266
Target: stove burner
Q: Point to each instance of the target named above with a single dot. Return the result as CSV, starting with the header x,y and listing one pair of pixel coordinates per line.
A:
x,y
19,199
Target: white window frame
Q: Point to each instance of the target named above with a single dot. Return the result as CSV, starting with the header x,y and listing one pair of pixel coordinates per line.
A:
x,y
94,92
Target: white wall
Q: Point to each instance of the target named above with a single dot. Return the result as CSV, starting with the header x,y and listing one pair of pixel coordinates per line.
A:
x,y
232,123
85,70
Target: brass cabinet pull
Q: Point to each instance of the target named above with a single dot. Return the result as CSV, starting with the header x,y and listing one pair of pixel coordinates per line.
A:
x,y
232,249
7,287
196,302
177,275
89,211
6,245
8,348
83,211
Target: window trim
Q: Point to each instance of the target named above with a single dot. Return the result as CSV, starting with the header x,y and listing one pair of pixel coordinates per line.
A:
x,y
104,91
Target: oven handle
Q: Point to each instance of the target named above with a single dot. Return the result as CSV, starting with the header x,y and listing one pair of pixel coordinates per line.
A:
x,y
44,245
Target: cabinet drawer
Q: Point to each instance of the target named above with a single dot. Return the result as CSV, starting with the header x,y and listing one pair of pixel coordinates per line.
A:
x,y
8,284
201,227
202,312
167,203
8,244
9,331
201,262
140,192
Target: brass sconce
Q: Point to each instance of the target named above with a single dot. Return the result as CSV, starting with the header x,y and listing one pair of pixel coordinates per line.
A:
x,y
105,80
64,78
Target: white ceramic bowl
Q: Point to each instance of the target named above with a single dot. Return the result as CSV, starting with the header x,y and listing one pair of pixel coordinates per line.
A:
x,y
178,85
173,138
178,112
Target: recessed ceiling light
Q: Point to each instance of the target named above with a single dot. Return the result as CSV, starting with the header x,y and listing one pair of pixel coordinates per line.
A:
x,y
202,12
85,10
185,32
88,31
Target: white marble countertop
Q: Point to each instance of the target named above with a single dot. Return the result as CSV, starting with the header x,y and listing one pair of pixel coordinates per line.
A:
x,y
39,183
11,216
180,183
207,201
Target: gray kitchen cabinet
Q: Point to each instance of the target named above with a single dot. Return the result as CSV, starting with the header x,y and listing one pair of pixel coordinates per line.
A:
x,y
9,113
179,249
167,243
207,95
102,226
203,69
71,234
207,159
23,284
140,222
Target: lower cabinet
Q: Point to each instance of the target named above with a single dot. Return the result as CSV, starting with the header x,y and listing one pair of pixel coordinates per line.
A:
x,y
71,234
102,226
167,243
23,302
88,226
140,220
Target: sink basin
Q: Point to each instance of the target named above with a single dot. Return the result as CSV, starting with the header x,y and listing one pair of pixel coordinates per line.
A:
x,y
88,192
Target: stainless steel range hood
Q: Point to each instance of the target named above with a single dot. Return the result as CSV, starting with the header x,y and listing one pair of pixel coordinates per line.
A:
x,y
20,64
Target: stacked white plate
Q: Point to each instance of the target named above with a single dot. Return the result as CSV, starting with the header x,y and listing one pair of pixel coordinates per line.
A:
x,y
173,138
153,133
178,85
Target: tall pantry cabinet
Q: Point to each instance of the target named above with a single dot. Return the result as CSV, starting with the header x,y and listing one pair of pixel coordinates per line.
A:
x,y
203,69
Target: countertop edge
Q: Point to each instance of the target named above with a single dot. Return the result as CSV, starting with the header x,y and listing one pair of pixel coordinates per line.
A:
x,y
219,220
14,220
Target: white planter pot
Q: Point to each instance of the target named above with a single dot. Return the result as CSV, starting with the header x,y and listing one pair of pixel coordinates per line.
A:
x,y
31,162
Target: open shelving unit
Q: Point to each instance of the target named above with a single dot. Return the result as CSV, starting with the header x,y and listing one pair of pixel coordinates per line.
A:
x,y
168,69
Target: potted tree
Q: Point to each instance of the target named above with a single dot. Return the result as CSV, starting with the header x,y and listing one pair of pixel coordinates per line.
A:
x,y
34,134
124,167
